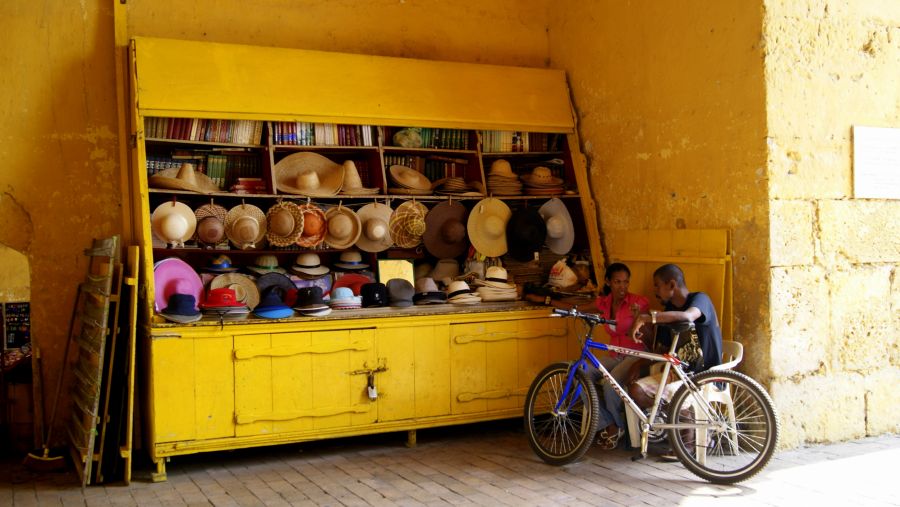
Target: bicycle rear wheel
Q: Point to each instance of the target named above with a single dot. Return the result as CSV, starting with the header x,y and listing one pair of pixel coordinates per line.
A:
x,y
741,437
561,436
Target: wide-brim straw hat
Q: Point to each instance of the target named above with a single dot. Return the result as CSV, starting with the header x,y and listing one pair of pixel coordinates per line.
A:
x,y
315,225
308,173
173,222
174,276
210,224
560,229
183,178
245,226
343,227
445,230
408,177
487,226
408,224
376,231
353,183
310,264
243,286
284,224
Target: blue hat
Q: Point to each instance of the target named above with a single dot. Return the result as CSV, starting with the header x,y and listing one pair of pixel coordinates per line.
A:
x,y
181,309
271,305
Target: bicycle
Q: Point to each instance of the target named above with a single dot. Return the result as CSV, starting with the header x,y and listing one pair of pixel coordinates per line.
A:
x,y
728,415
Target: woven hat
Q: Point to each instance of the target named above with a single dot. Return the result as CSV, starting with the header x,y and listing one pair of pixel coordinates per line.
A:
x,y
487,226
220,264
525,233
350,260
210,224
314,226
560,229
427,292
308,173
501,167
172,275
245,226
181,308
352,183
263,264
343,227
173,222
284,224
183,178
541,177
408,224
445,230
275,280
408,177
400,292
309,263
376,233
244,289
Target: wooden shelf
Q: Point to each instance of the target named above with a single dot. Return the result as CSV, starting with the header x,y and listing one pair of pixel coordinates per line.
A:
x,y
225,146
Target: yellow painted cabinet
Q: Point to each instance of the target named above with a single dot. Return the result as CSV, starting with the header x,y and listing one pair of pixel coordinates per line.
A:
x,y
416,381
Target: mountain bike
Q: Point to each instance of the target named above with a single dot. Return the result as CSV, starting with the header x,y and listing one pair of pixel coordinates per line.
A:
x,y
721,424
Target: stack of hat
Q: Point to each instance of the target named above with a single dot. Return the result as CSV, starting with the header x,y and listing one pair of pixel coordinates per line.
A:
x,y
314,226
374,295
174,276
542,182
455,185
408,181
496,286
223,302
400,292
459,293
354,281
407,224
342,298
376,231
173,222
502,180
428,293
353,183
309,174
244,288
245,226
210,224
181,308
271,304
310,303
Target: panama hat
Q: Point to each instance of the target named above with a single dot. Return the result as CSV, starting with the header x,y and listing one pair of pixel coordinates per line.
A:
x,y
459,293
343,227
408,177
308,173
245,225
172,275
407,224
487,226
315,226
173,222
350,260
376,233
445,230
525,233
181,308
183,178
220,264
560,230
284,224
353,183
264,264
210,224
309,264
244,289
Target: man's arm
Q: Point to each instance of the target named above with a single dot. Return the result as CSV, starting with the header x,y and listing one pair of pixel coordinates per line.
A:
x,y
690,315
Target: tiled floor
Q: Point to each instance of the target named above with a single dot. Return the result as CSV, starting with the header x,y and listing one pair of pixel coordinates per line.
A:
x,y
486,464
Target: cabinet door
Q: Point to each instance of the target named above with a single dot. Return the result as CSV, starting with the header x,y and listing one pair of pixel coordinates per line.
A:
x,y
295,382
541,342
191,385
416,383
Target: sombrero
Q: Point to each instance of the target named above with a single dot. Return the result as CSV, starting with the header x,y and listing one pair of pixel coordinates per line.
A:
x,y
210,224
245,226
353,183
284,224
173,222
244,289
408,177
560,230
183,178
174,276
343,227
308,173
407,224
445,230
487,226
376,233
314,226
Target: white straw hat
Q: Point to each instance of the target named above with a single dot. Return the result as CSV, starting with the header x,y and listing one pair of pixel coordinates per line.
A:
x,y
487,226
173,222
376,231
308,173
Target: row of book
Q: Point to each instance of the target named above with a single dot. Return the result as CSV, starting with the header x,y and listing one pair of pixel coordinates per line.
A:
x,y
322,134
244,132
509,141
442,139
224,169
433,167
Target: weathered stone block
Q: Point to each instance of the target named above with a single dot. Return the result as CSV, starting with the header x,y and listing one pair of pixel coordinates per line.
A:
x,y
791,230
859,231
799,312
883,401
862,321
820,408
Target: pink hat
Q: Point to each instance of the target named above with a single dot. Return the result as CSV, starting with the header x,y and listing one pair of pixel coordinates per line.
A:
x,y
173,275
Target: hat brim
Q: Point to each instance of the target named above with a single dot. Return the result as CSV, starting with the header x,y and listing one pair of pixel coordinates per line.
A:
x,y
274,280
330,174
168,179
563,244
401,304
350,266
242,210
172,275
409,178
491,247
173,208
316,313
435,220
274,312
265,271
296,214
344,242
317,271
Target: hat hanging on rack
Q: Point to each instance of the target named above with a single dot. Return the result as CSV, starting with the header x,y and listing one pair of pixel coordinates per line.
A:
x,y
245,226
445,230
308,173
376,233
487,226
315,226
173,222
284,224
407,224
343,227
560,229
210,224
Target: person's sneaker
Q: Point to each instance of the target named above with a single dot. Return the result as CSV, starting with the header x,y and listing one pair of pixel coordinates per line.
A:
x,y
609,441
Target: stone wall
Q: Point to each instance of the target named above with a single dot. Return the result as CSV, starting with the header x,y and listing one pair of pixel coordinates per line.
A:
x,y
835,354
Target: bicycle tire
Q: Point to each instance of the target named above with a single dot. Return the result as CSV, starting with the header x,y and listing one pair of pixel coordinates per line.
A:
x,y
561,438
746,445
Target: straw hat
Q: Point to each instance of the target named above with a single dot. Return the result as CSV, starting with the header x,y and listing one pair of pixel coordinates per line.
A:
x,y
210,224
314,226
266,264
408,224
245,226
183,178
220,264
487,226
408,177
308,173
501,167
173,222
445,230
458,292
525,233
541,177
309,264
284,224
243,286
376,233
351,260
560,229
352,183
343,227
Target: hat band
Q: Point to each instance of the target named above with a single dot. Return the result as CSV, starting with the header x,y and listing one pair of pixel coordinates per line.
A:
x,y
352,263
458,292
492,279
308,266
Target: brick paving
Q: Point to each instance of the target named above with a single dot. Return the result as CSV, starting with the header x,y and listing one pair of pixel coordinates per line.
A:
x,y
483,464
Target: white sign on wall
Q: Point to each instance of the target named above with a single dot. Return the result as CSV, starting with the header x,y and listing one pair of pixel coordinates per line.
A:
x,y
876,162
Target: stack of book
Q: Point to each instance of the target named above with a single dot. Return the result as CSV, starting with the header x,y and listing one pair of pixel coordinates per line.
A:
x,y
510,141
300,133
243,132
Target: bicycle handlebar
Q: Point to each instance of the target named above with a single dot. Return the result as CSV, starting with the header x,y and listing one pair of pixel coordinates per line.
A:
x,y
590,317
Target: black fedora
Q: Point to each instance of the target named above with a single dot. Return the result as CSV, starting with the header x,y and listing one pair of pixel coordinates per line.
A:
x,y
525,233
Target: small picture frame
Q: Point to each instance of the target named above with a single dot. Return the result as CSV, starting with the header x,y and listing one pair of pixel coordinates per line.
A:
x,y
389,269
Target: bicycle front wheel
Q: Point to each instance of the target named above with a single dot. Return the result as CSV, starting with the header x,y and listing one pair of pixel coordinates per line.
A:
x,y
739,439
561,435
